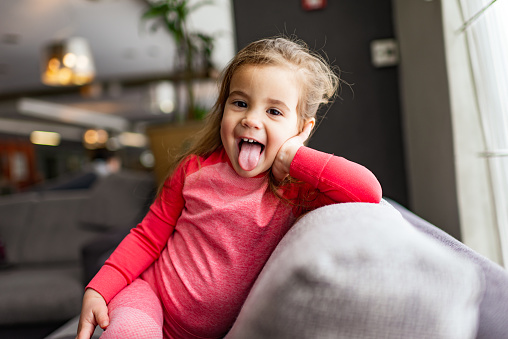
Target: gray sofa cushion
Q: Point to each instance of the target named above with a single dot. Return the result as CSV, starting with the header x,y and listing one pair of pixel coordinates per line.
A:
x,y
43,294
15,216
494,304
53,234
118,201
361,271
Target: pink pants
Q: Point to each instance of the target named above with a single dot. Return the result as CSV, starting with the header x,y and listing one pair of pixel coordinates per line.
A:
x,y
135,313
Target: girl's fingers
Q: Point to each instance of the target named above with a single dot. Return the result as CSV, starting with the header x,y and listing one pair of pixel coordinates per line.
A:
x,y
85,330
282,162
307,128
102,318
94,312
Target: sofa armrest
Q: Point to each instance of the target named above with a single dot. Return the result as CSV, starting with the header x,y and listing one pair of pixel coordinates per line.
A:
x,y
494,304
361,271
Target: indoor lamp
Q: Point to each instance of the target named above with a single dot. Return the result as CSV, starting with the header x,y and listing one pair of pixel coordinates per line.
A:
x,y
67,63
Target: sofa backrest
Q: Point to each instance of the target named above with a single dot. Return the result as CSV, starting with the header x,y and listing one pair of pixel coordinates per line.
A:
x,y
53,226
15,216
54,233
118,201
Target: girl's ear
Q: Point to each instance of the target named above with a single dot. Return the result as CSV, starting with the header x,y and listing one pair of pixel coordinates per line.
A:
x,y
309,124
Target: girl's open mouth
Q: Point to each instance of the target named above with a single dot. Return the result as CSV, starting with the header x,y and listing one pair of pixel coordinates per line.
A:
x,y
249,153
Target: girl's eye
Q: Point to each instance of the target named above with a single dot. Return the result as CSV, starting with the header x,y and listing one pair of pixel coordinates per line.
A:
x,y
239,103
274,111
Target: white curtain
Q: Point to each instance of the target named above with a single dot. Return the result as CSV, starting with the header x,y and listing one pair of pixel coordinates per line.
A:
x,y
487,38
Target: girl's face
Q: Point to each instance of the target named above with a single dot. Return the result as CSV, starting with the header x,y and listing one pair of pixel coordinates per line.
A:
x,y
259,116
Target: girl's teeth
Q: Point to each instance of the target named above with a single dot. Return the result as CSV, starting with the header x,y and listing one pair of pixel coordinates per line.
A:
x,y
248,140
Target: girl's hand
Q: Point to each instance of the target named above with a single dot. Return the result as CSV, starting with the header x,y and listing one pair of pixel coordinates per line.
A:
x,y
93,312
287,152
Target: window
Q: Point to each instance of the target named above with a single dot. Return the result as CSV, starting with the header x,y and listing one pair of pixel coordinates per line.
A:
x,y
487,38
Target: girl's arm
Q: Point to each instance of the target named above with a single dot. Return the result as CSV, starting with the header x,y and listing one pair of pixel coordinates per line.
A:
x,y
143,245
339,179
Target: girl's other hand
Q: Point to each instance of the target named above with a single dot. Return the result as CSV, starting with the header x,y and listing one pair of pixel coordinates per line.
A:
x,y
287,151
93,312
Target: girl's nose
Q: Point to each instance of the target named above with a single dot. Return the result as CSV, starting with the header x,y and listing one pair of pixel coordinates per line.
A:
x,y
251,119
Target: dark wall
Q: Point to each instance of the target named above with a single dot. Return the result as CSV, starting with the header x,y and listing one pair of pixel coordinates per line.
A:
x,y
364,126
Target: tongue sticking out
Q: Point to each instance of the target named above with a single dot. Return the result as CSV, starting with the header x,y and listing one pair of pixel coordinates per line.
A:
x,y
249,156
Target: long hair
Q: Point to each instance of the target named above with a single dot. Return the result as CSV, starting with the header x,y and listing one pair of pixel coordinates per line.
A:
x,y
318,83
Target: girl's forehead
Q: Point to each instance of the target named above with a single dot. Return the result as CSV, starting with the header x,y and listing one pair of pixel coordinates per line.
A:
x,y
280,79
287,84
276,65
281,70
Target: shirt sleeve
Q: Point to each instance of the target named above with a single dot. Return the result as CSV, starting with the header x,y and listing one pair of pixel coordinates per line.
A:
x,y
144,244
337,178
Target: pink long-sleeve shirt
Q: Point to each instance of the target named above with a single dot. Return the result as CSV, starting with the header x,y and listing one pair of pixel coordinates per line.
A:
x,y
210,231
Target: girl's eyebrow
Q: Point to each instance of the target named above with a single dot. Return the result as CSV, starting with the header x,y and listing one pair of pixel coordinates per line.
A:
x,y
278,103
240,93
269,100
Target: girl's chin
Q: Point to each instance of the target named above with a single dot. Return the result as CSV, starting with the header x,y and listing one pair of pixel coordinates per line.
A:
x,y
247,174
257,171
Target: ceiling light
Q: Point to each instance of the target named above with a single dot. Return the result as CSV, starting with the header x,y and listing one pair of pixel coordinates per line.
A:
x,y
45,138
68,63
95,138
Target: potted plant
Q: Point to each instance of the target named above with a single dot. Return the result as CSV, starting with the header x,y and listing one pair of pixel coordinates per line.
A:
x,y
194,49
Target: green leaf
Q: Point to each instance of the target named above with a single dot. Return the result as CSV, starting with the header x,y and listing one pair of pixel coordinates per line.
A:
x,y
155,11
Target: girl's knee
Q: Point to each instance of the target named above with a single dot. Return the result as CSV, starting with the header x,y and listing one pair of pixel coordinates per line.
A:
x,y
135,313
131,323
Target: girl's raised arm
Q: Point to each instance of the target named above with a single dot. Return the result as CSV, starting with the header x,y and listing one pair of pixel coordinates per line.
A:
x,y
339,179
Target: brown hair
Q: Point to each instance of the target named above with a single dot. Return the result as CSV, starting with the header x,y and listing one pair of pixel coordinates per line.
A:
x,y
317,79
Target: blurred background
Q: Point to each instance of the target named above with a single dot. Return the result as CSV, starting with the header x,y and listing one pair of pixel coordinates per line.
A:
x,y
129,82
397,115
95,87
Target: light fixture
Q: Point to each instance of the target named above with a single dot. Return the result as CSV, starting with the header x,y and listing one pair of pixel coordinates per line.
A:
x,y
162,97
68,62
45,138
95,138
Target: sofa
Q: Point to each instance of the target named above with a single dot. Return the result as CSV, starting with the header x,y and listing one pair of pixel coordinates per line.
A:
x,y
43,234
361,271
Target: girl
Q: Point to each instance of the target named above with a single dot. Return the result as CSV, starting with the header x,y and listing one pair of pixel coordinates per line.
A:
x,y
187,268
